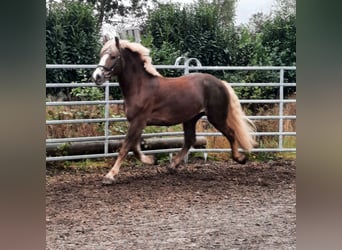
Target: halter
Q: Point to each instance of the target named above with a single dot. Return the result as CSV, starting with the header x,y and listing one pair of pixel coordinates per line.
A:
x,y
110,70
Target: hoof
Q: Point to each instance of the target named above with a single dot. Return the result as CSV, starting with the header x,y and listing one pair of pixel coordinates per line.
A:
x,y
241,159
108,180
148,159
174,164
171,170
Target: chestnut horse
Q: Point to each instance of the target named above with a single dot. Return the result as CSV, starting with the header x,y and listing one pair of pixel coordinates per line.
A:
x,y
151,99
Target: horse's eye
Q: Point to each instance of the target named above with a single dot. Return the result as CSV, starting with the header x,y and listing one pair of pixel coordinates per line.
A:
x,y
112,57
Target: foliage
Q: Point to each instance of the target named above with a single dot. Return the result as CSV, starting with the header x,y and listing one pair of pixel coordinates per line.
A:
x,y
279,39
87,93
226,10
200,31
251,52
71,38
194,30
166,55
267,40
106,10
204,30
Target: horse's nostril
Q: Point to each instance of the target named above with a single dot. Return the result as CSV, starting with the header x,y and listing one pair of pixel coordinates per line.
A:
x,y
96,76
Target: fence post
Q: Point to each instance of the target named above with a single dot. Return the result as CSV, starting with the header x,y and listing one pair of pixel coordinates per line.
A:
x,y
106,118
281,107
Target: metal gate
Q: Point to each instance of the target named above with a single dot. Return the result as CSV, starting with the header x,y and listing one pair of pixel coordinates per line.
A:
x,y
106,120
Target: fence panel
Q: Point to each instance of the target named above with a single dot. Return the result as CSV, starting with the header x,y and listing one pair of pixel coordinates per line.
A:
x,y
107,138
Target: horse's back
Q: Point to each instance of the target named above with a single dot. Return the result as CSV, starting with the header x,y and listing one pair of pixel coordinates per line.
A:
x,y
192,77
212,88
200,81
199,89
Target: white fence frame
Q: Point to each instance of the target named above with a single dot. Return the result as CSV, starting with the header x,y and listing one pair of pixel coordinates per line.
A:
x,y
187,68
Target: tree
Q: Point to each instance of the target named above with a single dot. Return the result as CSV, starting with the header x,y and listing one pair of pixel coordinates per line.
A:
x,y
268,40
285,8
106,10
71,38
256,22
279,38
226,11
194,30
279,33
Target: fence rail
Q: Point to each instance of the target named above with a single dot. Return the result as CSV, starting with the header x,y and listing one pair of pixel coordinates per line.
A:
x,y
106,138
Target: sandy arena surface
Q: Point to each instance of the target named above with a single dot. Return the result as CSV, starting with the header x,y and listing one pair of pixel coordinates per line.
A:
x,y
204,205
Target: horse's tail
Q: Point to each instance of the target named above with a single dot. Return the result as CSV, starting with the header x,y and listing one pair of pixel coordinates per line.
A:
x,y
237,120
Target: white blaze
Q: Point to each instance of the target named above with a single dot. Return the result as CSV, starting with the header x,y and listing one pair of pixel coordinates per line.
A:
x,y
99,71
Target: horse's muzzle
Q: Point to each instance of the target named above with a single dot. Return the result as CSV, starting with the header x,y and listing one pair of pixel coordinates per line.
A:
x,y
98,76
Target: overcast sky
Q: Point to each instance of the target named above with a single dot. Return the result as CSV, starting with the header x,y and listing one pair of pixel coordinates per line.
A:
x,y
246,8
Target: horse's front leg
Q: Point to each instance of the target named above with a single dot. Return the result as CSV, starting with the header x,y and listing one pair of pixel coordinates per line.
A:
x,y
130,142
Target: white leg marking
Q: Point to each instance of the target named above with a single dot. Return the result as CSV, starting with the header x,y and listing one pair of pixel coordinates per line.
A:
x,y
144,158
147,159
109,178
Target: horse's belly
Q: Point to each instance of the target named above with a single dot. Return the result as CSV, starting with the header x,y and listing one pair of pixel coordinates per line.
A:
x,y
171,117
164,120
158,122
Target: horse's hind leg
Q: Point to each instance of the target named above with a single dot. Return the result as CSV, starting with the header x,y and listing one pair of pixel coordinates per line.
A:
x,y
229,133
189,139
147,159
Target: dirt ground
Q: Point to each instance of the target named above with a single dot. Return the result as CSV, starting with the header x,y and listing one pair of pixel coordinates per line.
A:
x,y
205,205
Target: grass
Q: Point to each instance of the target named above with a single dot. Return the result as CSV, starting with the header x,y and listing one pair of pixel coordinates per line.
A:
x,y
288,142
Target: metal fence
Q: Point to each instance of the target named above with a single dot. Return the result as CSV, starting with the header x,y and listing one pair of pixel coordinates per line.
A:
x,y
186,67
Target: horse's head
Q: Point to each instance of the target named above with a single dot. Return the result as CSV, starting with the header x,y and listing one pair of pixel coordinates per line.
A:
x,y
110,62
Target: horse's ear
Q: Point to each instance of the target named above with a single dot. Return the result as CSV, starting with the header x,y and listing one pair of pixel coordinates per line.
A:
x,y
117,42
105,39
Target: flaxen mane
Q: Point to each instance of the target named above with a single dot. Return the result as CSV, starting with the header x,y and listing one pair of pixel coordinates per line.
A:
x,y
135,47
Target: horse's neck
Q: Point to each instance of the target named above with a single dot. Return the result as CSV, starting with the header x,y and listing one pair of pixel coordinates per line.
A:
x,y
131,83
133,76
